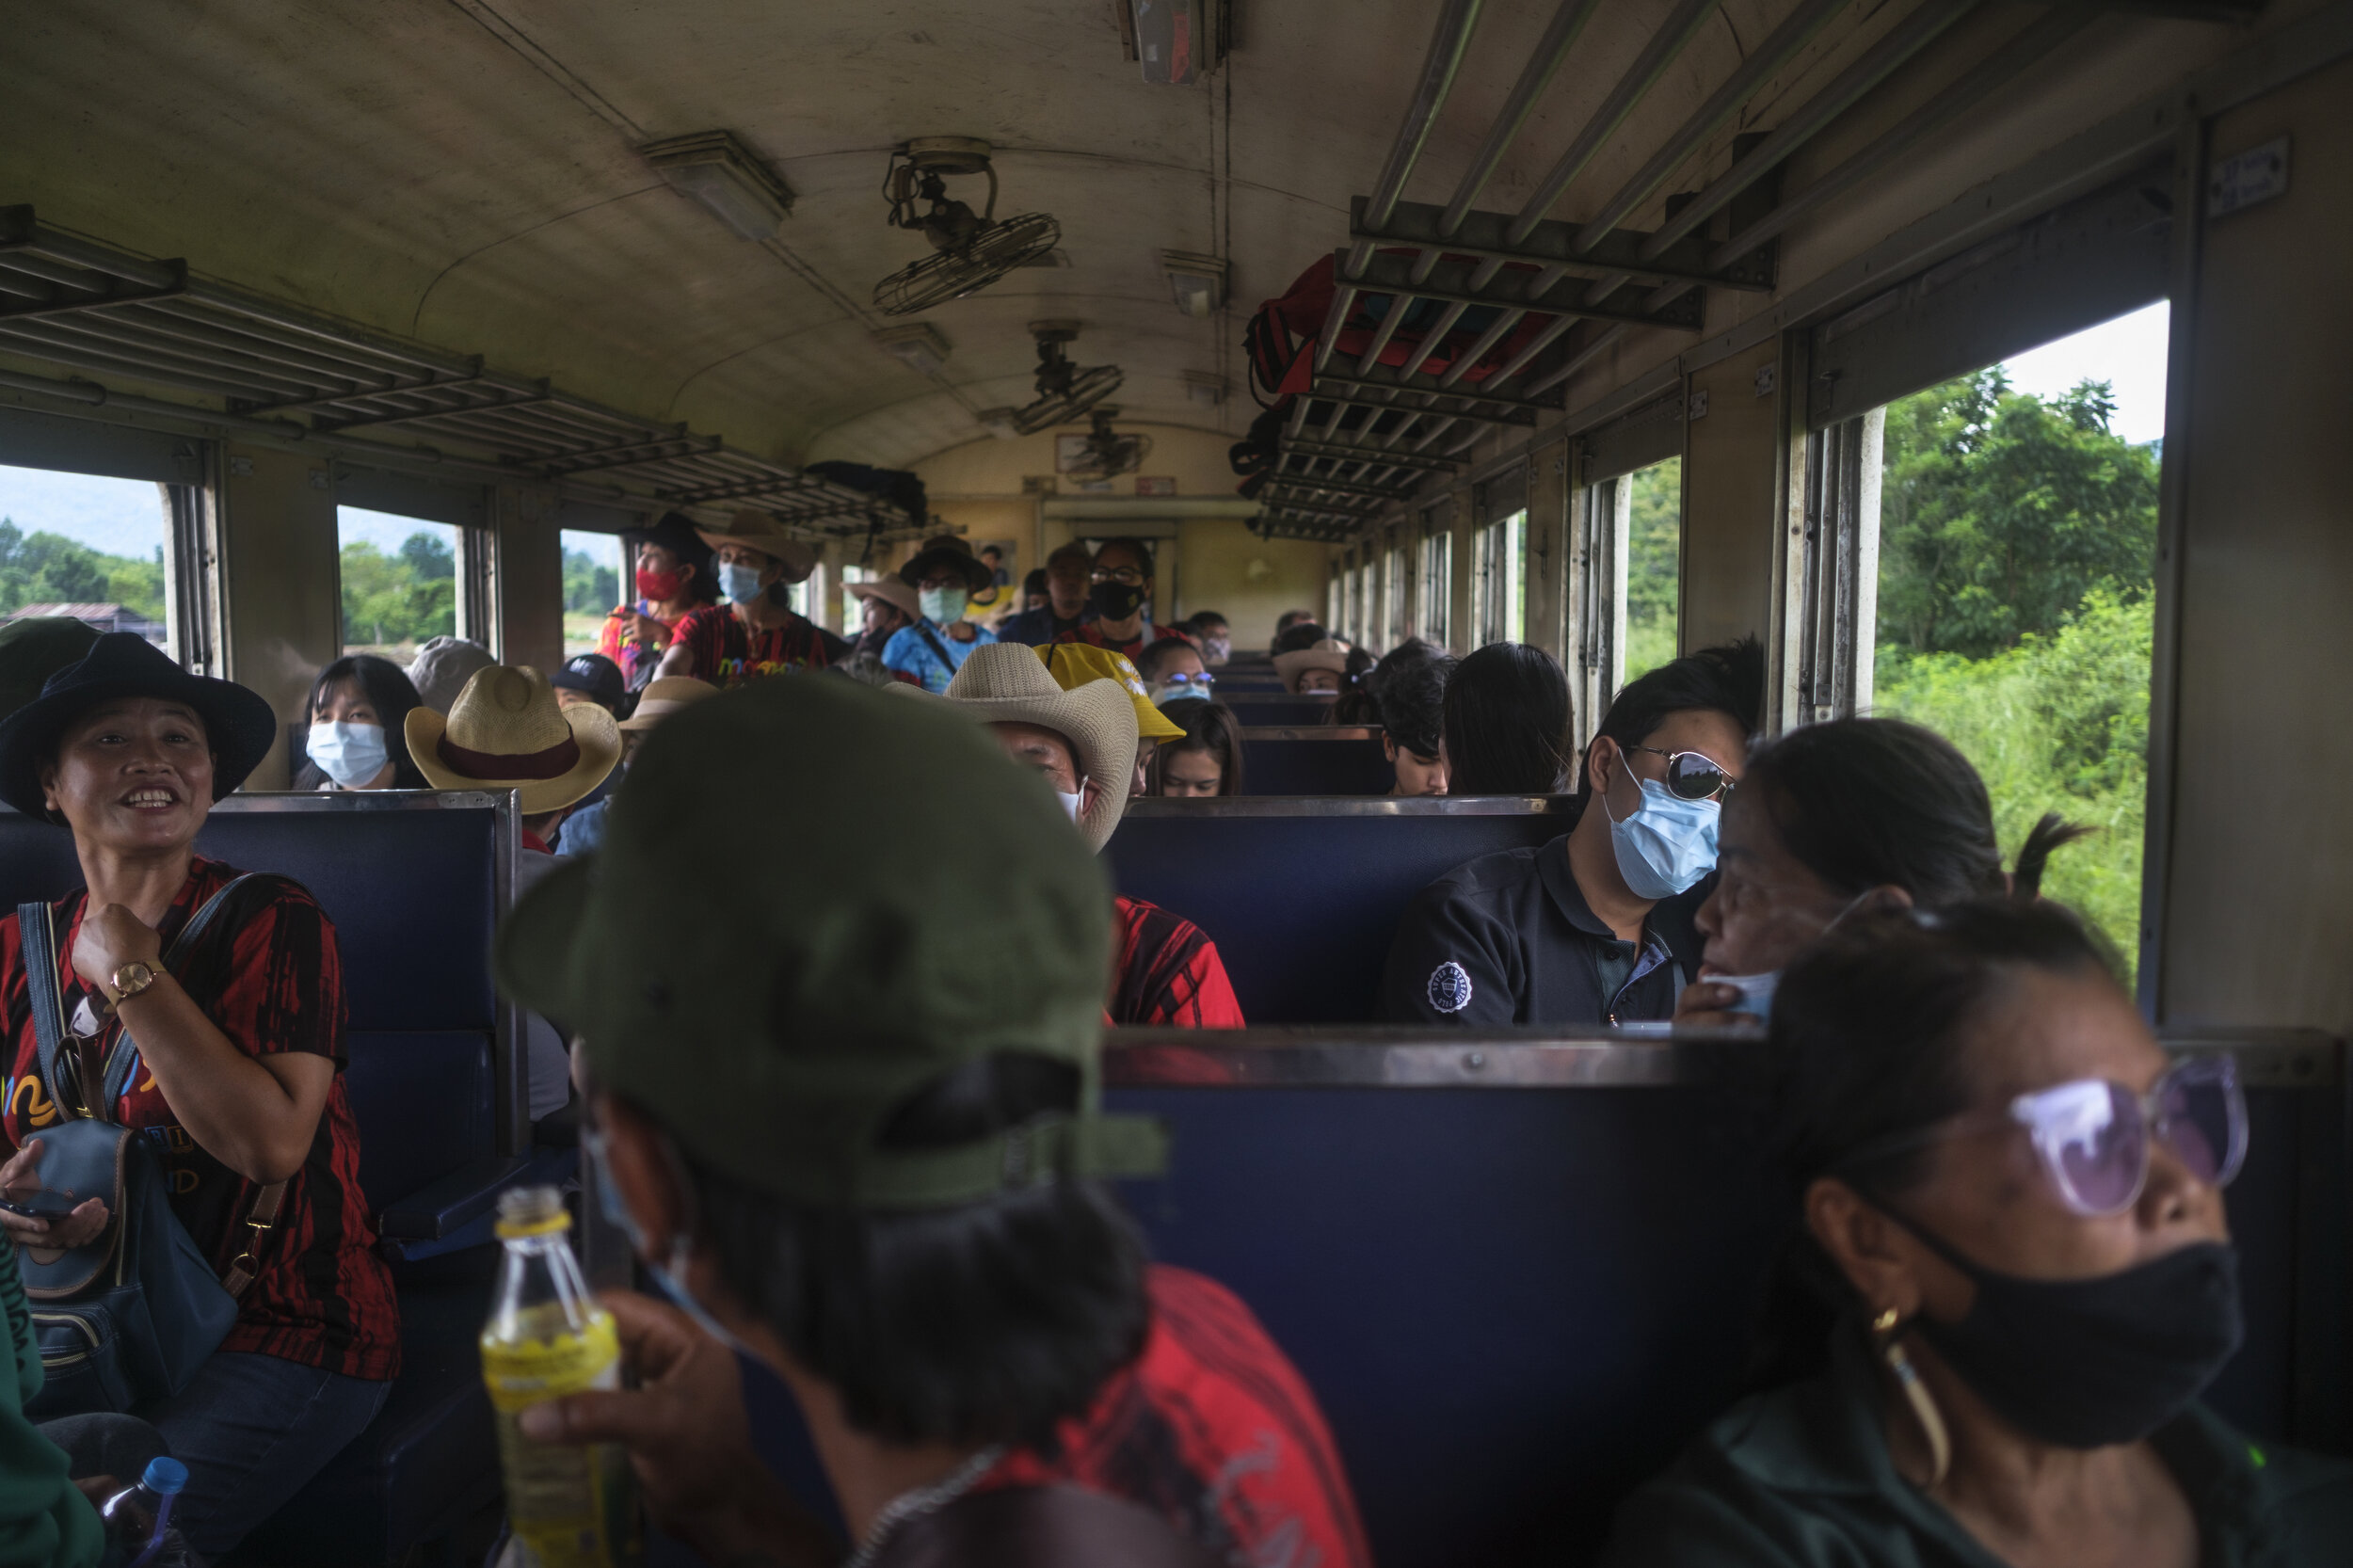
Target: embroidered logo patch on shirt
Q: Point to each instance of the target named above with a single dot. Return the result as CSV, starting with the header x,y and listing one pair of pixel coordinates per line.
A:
x,y
1449,988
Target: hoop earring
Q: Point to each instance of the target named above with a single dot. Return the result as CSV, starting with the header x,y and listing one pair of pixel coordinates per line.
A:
x,y
1887,1332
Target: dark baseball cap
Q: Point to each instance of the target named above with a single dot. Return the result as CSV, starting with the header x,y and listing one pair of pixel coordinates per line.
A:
x,y
864,942
594,674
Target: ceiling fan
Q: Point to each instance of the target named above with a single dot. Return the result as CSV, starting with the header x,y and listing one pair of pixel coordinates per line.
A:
x,y
1064,391
1108,452
970,251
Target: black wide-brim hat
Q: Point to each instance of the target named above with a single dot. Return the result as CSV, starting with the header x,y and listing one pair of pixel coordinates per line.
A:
x,y
239,724
946,550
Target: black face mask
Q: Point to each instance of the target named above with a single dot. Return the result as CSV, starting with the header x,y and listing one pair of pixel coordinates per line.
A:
x,y
2085,1363
1116,600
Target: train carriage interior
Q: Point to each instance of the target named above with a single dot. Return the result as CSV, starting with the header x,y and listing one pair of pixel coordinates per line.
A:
x,y
1973,357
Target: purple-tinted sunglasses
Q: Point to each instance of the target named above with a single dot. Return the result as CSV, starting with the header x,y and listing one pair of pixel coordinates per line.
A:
x,y
2091,1137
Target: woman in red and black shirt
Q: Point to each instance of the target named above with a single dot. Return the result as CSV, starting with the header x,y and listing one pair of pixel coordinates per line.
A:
x,y
753,632
236,1084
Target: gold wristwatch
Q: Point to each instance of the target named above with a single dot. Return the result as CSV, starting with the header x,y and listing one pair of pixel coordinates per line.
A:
x,y
131,979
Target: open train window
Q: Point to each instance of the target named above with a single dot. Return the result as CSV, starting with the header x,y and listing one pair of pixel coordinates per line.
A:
x,y
399,582
1999,532
1434,573
88,546
1653,584
595,578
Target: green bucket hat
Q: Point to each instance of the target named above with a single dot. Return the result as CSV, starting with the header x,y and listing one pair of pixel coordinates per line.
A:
x,y
862,940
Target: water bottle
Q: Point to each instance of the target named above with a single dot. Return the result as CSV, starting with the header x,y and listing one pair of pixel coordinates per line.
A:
x,y
137,1517
570,1507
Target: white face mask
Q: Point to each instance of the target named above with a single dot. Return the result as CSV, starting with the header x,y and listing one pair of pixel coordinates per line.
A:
x,y
942,606
350,754
1071,804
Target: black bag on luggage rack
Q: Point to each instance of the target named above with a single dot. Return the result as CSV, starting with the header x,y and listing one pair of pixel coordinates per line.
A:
x,y
132,1315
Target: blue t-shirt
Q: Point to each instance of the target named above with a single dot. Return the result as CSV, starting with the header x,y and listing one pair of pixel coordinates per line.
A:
x,y
925,652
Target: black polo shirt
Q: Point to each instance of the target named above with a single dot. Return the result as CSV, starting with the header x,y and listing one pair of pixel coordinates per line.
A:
x,y
1508,938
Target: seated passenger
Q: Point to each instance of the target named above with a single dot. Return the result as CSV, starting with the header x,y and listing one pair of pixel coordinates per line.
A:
x,y
885,606
442,666
1320,667
756,632
2011,1203
33,649
357,707
1121,596
1068,573
1033,594
944,576
1205,761
1082,743
1408,686
1595,926
1216,638
1288,619
670,569
1173,670
590,678
506,731
583,831
238,1054
1073,664
1831,816
887,1176
1300,634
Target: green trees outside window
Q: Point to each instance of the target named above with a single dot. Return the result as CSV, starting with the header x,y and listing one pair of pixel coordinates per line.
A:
x,y
50,568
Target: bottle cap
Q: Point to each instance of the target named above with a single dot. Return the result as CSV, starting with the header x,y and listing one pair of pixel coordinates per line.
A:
x,y
531,1211
165,1477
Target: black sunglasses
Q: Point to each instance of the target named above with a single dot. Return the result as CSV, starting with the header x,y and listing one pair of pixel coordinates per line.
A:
x,y
1692,775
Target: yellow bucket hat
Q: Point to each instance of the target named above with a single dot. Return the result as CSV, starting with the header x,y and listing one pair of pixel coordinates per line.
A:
x,y
1073,664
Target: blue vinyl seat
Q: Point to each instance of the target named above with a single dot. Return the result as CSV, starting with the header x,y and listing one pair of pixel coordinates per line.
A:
x,y
1321,760
414,885
1276,709
1302,896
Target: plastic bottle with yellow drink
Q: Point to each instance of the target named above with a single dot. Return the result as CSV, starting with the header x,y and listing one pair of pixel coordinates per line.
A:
x,y
569,1507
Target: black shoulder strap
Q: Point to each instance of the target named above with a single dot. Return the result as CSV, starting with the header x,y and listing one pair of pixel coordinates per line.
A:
x,y
39,937
928,635
119,1060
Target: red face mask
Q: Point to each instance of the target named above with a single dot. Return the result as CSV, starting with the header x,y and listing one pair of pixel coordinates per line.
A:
x,y
659,586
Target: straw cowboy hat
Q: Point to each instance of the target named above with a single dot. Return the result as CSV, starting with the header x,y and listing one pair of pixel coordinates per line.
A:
x,y
1073,664
1329,654
761,531
663,696
893,592
1006,684
506,731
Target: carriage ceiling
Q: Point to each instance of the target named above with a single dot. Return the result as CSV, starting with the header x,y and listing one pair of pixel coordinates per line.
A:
x,y
465,172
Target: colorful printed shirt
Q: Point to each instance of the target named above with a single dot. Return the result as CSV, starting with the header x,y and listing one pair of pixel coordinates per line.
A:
x,y
269,976
1214,1430
1169,972
726,653
636,663
1092,634
927,653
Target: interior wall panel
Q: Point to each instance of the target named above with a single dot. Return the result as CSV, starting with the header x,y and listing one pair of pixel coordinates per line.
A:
x,y
284,593
2258,903
1730,522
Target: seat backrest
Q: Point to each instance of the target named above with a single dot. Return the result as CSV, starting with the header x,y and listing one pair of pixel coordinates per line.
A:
x,y
1302,896
414,883
1321,760
1520,1276
1270,710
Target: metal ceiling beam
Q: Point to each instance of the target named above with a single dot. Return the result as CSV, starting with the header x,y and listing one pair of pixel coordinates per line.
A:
x,y
1338,487
58,304
1365,455
1553,245
1496,408
459,412
1453,283
308,405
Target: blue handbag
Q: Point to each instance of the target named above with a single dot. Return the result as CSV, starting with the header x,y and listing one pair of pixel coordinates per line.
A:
x,y
131,1315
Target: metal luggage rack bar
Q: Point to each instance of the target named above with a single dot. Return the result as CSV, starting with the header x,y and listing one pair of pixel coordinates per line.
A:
x,y
1577,276
290,376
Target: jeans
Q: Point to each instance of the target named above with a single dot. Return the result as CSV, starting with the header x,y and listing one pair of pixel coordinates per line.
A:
x,y
252,1429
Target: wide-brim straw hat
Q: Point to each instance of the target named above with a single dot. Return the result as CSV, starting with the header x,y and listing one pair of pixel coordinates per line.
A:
x,y
946,550
239,726
663,696
761,531
1329,654
506,731
1073,664
1006,684
893,592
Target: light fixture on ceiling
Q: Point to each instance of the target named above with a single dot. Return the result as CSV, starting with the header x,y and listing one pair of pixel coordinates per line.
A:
x,y
721,173
1198,281
920,344
1203,387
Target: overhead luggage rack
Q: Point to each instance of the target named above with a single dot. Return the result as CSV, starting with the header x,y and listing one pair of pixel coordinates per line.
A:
x,y
283,373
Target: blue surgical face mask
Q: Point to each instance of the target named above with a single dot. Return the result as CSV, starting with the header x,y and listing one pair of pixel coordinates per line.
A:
x,y
668,1281
741,583
350,754
1666,845
1756,992
1163,695
941,606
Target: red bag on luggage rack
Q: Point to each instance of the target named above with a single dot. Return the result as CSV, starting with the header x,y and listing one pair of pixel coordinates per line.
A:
x,y
1281,337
